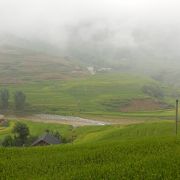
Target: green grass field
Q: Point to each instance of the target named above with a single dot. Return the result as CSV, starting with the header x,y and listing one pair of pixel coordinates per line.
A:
x,y
142,151
95,96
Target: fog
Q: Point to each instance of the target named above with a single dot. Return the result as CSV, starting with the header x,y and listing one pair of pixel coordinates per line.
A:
x,y
104,31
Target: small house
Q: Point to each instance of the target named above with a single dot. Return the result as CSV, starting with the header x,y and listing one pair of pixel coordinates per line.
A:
x,y
46,139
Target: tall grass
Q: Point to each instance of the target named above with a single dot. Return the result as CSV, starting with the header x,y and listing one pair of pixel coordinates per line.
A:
x,y
145,151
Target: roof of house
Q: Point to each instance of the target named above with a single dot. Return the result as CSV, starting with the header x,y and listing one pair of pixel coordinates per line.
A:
x,y
48,138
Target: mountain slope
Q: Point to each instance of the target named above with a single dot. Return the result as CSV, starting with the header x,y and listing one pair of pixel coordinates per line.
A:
x,y
21,61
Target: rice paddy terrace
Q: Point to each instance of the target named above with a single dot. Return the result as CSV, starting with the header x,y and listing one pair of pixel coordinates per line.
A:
x,y
102,96
142,151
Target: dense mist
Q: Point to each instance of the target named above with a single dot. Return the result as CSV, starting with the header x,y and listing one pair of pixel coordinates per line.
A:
x,y
129,35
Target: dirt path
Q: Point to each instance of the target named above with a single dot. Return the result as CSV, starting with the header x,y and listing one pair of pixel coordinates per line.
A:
x,y
74,121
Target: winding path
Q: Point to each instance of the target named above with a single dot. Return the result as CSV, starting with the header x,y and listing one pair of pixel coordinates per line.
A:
x,y
75,121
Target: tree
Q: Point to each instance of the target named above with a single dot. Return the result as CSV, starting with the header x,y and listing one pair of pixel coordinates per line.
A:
x,y
153,91
54,133
57,135
8,141
20,100
21,132
4,98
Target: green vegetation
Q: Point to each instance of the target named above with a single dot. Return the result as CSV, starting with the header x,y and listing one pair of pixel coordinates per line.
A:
x,y
4,99
21,132
22,137
142,151
38,128
18,105
4,131
153,91
8,141
103,94
34,82
20,100
148,150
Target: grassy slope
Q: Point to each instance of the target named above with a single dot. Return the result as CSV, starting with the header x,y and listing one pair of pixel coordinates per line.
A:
x,y
96,95
19,65
118,132
144,151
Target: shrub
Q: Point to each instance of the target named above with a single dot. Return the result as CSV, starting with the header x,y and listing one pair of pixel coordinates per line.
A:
x,y
55,134
153,91
21,132
8,141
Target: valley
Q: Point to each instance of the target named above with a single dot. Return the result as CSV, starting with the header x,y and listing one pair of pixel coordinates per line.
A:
x,y
89,90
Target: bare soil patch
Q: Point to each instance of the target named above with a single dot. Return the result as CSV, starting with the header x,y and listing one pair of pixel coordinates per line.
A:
x,y
143,105
77,121
74,121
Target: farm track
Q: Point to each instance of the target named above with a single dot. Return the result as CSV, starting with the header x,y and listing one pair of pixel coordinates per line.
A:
x,y
71,120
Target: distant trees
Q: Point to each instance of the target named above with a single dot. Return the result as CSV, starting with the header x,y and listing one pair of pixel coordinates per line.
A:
x,y
20,100
4,99
153,91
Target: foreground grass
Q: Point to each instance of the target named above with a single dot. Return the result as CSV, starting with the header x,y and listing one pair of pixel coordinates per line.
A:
x,y
144,151
138,159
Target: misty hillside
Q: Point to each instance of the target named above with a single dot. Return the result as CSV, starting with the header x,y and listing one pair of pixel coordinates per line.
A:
x,y
152,50
137,37
89,89
21,60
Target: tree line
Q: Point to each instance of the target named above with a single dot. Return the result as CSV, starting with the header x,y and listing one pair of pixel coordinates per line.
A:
x,y
19,100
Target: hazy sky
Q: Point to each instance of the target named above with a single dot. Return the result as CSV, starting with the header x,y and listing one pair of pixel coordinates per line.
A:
x,y
31,15
51,19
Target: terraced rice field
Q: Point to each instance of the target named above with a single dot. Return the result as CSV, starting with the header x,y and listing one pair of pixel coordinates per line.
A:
x,y
144,151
